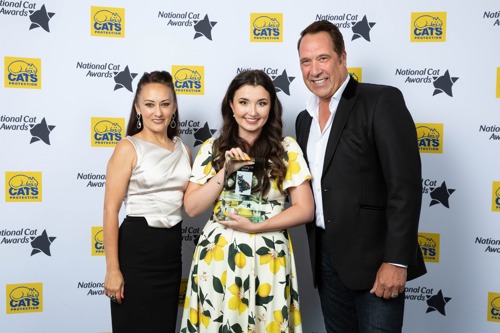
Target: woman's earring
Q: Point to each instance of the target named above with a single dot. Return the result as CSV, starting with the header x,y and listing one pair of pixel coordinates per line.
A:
x,y
172,121
139,124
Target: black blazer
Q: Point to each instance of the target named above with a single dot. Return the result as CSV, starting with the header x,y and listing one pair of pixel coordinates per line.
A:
x,y
371,185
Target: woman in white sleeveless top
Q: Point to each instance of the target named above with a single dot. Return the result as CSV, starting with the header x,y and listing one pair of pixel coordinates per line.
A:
x,y
149,172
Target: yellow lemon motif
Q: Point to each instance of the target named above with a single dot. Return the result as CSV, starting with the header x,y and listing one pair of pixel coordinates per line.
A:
x,y
193,316
186,303
216,253
293,165
235,302
264,290
223,278
207,168
205,320
275,326
275,263
240,260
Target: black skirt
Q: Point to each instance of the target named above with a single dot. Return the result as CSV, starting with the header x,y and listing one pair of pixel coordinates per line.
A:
x,y
151,264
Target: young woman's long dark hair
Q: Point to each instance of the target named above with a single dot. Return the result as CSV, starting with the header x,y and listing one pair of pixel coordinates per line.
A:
x,y
268,145
162,77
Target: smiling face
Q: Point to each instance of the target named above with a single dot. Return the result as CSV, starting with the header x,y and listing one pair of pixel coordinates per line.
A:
x,y
251,106
156,104
323,70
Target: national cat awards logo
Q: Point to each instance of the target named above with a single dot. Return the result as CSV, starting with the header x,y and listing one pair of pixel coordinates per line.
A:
x,y
106,132
39,18
429,245
493,16
493,313
40,243
442,80
97,241
24,73
24,298
107,22
39,130
430,138
281,79
436,300
189,80
266,27
361,27
438,191
23,186
122,76
495,197
489,244
202,25
428,27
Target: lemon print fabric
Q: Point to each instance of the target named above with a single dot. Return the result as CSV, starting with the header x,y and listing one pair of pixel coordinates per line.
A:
x,y
242,282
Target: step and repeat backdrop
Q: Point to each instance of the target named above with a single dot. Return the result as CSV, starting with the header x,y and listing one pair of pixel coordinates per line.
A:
x,y
70,70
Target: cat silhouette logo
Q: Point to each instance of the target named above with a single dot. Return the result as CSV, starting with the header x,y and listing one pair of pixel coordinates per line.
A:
x,y
428,27
107,22
265,22
429,138
426,21
429,245
24,298
23,186
22,73
266,27
188,80
107,131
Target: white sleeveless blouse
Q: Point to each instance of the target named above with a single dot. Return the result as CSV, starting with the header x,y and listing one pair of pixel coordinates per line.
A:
x,y
158,182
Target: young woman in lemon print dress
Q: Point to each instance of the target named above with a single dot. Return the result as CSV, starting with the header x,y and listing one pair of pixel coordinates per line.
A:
x,y
243,276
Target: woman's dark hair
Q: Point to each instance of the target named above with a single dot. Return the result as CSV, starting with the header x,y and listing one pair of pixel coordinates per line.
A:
x,y
268,145
162,77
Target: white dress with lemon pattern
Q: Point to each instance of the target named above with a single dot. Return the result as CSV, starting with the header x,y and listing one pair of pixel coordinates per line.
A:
x,y
242,282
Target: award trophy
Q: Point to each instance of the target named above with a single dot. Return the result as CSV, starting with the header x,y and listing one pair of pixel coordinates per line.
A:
x,y
242,190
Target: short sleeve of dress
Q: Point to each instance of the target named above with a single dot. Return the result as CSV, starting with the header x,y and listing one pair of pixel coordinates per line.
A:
x,y
202,169
297,170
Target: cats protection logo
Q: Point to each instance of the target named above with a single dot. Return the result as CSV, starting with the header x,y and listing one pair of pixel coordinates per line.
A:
x,y
189,80
266,27
106,132
107,22
428,27
429,244
495,197
25,73
97,241
23,186
23,298
493,307
356,73
430,138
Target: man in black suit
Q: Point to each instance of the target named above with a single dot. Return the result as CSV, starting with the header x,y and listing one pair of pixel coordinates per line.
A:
x,y
361,145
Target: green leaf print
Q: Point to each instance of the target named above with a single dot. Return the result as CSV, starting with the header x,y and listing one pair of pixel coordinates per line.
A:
x,y
218,285
269,242
247,250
